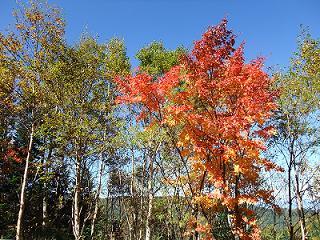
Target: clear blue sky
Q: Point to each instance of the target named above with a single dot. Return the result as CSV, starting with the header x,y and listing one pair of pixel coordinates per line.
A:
x,y
269,27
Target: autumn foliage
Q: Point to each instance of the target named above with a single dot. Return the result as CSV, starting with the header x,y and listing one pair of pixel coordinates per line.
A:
x,y
220,103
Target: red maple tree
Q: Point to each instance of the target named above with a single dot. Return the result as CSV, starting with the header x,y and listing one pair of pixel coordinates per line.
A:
x,y
221,105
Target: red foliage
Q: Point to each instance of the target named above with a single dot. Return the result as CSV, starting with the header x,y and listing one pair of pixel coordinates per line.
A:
x,y
221,105
13,155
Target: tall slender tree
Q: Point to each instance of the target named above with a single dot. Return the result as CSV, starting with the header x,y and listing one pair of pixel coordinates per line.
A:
x,y
28,50
298,126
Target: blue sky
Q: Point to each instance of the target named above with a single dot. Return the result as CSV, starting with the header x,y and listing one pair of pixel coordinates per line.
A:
x,y
269,27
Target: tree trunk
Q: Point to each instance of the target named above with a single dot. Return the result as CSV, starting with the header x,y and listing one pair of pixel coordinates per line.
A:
x,y
291,232
291,160
274,230
45,194
150,200
133,228
300,208
23,187
96,206
76,202
141,209
44,207
237,213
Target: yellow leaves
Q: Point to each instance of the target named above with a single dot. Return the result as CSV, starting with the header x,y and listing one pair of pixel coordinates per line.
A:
x,y
237,168
11,43
180,144
20,26
230,153
186,137
198,166
171,122
34,16
205,201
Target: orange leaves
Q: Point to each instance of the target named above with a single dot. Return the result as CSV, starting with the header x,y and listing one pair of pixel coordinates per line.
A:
x,y
10,43
220,104
206,201
34,16
14,154
248,199
142,90
202,229
150,93
169,81
266,132
205,229
137,89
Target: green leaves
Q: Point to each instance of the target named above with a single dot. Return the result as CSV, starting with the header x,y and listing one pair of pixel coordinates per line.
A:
x,y
300,86
116,60
156,60
300,91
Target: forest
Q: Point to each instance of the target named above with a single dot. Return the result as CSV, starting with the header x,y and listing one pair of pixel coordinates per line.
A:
x,y
191,144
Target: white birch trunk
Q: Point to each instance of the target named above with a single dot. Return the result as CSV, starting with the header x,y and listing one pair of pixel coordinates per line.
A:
x,y
96,206
23,187
76,202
